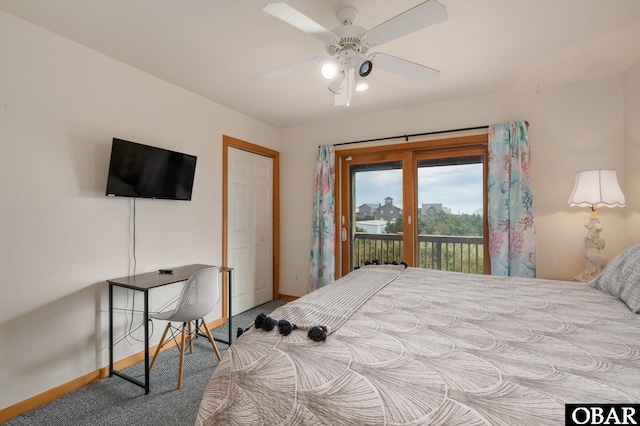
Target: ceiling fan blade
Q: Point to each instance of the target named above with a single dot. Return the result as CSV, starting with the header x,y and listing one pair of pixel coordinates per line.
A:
x,y
289,68
405,68
421,16
302,22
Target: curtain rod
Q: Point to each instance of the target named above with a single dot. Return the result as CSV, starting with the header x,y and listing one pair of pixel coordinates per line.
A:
x,y
406,137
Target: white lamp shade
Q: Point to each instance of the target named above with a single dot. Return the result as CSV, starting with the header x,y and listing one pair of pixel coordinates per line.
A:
x,y
596,188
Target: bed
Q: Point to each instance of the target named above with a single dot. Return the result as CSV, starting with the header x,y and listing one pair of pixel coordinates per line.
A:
x,y
409,346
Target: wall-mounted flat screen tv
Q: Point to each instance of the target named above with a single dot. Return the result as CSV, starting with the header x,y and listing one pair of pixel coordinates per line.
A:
x,y
144,171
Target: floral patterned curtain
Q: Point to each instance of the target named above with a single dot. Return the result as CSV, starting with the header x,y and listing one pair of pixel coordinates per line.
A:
x,y
322,265
512,246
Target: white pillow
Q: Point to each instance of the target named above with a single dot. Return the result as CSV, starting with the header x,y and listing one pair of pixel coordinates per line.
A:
x,y
621,278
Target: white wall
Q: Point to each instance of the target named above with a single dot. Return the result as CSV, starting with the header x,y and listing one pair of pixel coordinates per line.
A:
x,y
572,127
632,152
60,106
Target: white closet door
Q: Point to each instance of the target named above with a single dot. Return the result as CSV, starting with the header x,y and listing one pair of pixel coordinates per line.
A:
x,y
250,228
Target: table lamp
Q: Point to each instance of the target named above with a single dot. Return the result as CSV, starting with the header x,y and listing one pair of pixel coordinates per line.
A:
x,y
595,188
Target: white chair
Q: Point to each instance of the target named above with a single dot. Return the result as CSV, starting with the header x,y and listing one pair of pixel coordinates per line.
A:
x,y
199,296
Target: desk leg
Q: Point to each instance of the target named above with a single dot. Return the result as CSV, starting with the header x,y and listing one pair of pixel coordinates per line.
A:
x,y
146,341
229,303
112,371
110,330
229,314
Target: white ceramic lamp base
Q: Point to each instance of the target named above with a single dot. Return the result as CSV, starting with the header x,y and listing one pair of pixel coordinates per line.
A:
x,y
591,250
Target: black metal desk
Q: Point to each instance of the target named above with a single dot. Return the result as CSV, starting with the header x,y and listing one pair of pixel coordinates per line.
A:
x,y
143,283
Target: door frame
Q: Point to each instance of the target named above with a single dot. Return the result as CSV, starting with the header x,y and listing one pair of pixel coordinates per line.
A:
x,y
408,154
230,142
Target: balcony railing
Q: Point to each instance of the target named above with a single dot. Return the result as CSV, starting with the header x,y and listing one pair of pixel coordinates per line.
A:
x,y
444,252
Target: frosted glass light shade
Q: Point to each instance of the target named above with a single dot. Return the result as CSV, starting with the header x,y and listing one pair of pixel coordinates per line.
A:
x,y
329,70
596,188
336,85
361,85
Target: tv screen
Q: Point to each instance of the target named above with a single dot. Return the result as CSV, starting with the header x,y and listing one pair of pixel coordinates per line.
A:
x,y
144,171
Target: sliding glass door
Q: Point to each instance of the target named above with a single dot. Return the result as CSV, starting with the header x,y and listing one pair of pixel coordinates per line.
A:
x,y
377,191
419,203
451,215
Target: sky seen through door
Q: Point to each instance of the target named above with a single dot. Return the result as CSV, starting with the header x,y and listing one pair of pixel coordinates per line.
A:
x,y
458,188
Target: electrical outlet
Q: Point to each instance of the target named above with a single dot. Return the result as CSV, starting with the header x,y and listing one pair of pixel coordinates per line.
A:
x,y
297,277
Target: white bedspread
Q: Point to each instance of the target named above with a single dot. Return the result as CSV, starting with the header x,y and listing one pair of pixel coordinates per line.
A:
x,y
440,348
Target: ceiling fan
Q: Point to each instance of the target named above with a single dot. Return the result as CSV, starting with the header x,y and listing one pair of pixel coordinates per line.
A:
x,y
348,64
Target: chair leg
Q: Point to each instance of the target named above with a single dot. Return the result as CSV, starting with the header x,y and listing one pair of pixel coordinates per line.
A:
x,y
210,337
182,348
191,337
160,345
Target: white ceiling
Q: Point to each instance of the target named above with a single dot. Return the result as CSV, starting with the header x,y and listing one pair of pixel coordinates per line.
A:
x,y
215,48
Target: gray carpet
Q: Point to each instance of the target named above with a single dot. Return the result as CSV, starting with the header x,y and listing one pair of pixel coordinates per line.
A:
x,y
114,401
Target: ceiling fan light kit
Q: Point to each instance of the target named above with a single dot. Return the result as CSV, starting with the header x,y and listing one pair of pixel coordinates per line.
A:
x,y
347,66
336,84
329,70
361,85
365,68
